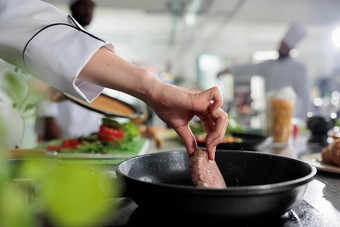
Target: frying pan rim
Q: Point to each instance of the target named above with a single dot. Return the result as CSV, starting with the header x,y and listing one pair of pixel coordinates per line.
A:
x,y
231,190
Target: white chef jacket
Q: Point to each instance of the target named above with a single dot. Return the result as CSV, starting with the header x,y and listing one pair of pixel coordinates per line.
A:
x,y
48,44
282,73
73,120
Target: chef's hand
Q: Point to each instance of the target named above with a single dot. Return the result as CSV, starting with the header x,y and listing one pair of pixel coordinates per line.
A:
x,y
176,106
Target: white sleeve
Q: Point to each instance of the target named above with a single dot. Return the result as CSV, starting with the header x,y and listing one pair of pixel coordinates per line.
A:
x,y
50,45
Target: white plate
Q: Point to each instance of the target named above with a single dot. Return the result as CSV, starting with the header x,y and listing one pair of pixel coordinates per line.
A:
x,y
316,160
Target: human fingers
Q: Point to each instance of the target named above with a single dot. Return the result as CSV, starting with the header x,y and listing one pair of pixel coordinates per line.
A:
x,y
214,120
220,119
187,137
215,98
208,124
214,137
211,154
209,127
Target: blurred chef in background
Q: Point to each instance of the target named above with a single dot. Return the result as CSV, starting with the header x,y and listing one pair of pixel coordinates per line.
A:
x,y
285,71
61,118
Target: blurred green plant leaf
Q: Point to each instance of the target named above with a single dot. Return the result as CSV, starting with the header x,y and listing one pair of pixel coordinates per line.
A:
x,y
15,86
2,132
71,195
77,195
37,168
14,211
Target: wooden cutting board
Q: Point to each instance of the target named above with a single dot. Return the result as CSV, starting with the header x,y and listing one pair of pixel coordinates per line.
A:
x,y
22,153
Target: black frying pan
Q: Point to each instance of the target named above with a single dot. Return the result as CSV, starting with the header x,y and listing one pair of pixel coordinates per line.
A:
x,y
258,184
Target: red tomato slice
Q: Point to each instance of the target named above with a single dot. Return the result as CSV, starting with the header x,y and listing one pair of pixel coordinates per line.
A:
x,y
53,147
66,144
110,134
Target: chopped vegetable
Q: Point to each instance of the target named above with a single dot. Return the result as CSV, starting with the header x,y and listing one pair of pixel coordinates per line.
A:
x,y
233,125
112,135
66,144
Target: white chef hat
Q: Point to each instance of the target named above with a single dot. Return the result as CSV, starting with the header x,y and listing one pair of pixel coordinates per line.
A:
x,y
294,35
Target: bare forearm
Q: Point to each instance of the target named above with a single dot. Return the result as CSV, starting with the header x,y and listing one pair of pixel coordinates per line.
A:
x,y
176,106
109,70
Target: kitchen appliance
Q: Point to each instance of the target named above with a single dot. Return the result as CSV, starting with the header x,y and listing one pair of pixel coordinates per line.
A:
x,y
319,127
258,184
250,142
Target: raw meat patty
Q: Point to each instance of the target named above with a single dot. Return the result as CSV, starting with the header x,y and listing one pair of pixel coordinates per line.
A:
x,y
204,172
